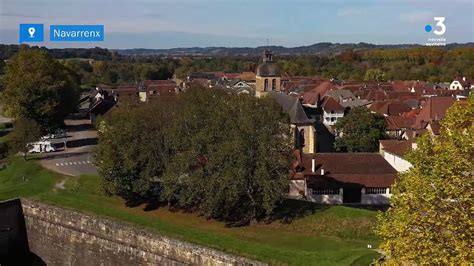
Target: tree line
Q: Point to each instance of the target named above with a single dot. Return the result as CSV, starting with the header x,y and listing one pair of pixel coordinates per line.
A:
x,y
434,64
225,156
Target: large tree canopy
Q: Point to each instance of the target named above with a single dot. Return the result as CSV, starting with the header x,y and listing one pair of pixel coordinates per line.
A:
x,y
359,131
133,151
39,88
232,158
430,220
226,156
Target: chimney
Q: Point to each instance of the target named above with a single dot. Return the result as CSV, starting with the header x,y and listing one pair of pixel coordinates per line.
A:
x,y
313,165
322,171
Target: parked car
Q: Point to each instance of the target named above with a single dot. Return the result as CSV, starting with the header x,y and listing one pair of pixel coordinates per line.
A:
x,y
41,146
58,134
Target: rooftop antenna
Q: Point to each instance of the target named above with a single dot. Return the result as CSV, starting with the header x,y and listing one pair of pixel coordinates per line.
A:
x,y
268,43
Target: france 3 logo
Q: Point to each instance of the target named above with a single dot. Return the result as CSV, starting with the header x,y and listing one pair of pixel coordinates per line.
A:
x,y
439,29
440,26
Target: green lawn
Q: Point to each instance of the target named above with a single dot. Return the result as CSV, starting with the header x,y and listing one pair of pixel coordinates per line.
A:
x,y
334,235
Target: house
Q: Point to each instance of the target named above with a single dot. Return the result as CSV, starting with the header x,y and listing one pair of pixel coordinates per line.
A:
x,y
461,84
248,77
303,131
314,97
343,178
238,86
389,108
151,89
433,127
397,125
433,109
393,151
332,111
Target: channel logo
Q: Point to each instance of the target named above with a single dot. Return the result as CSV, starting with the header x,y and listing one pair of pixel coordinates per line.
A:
x,y
441,27
438,29
31,33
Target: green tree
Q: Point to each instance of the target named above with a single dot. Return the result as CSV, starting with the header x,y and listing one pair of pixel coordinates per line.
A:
x,y
234,168
133,152
359,131
375,74
25,131
39,88
430,220
225,156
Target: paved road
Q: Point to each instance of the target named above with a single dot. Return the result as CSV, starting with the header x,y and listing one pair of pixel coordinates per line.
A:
x,y
72,164
76,159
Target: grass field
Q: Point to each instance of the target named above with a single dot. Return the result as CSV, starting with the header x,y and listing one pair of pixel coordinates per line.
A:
x,y
334,235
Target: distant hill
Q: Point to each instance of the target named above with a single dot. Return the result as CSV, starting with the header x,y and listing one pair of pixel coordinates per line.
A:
x,y
323,48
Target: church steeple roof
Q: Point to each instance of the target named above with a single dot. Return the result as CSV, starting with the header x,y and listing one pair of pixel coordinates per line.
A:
x,y
268,68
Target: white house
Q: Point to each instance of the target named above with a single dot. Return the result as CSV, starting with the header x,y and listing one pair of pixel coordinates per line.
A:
x,y
393,151
332,111
461,84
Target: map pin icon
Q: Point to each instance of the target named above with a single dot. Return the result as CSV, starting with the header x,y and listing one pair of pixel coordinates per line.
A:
x,y
31,31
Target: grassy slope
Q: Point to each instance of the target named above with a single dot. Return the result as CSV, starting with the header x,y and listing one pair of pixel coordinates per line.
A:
x,y
324,236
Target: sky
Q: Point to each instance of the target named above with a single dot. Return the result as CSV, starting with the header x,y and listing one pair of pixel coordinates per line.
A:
x,y
246,23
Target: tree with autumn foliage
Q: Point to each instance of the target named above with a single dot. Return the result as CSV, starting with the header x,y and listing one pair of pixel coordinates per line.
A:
x,y
430,220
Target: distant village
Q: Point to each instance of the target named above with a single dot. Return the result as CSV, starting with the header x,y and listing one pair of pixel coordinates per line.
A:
x,y
314,105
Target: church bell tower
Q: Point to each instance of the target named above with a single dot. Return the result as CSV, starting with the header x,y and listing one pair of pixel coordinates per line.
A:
x,y
268,77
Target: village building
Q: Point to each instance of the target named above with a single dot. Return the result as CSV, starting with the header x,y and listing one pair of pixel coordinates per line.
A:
x,y
397,125
461,83
151,89
332,111
394,151
343,178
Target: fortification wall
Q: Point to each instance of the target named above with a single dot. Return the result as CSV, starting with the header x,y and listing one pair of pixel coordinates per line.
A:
x,y
63,237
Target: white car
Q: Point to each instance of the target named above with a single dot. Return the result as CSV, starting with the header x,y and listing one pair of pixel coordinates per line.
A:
x,y
58,134
41,146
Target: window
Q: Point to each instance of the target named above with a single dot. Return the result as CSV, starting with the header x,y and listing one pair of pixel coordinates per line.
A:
x,y
376,190
273,84
325,191
265,87
333,119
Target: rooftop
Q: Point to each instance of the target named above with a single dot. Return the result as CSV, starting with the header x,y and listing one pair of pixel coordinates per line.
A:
x,y
365,169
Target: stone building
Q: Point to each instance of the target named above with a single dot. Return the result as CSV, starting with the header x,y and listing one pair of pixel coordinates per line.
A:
x,y
268,77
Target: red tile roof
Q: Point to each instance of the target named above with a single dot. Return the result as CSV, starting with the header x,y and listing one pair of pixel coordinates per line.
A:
x,y
397,147
247,76
434,109
399,122
232,75
389,108
316,94
332,105
365,169
465,82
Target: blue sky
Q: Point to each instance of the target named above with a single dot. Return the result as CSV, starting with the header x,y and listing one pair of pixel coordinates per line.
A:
x,y
189,23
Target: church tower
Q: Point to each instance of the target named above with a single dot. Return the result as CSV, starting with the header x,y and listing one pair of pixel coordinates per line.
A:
x,y
268,76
